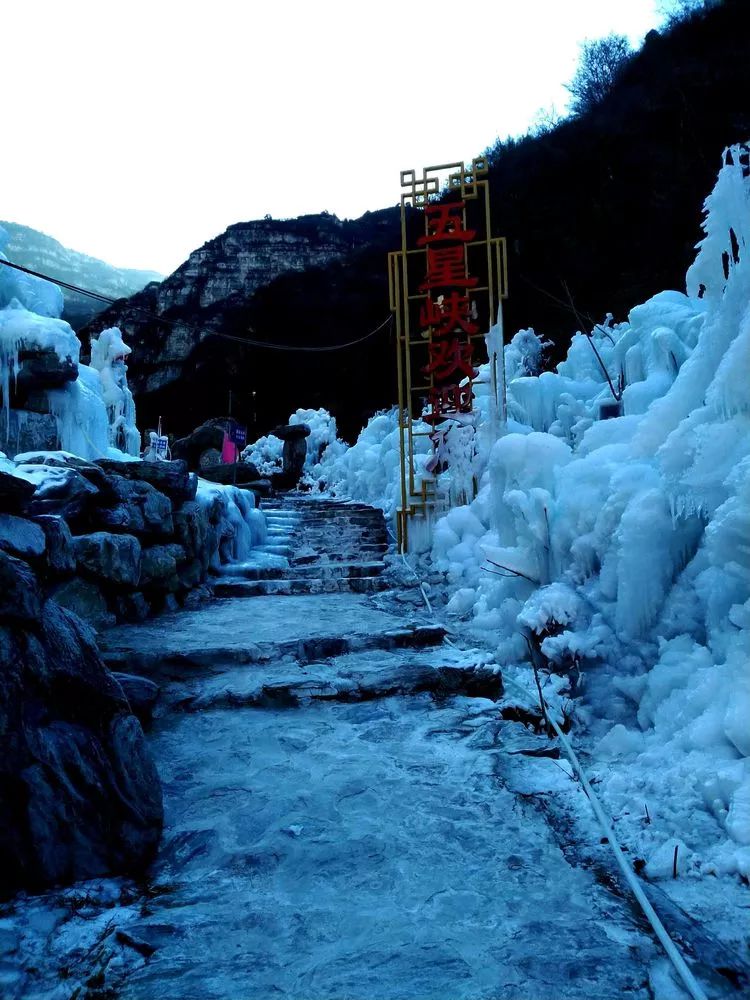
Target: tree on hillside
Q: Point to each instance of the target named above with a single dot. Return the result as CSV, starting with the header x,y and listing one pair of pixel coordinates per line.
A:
x,y
678,10
600,63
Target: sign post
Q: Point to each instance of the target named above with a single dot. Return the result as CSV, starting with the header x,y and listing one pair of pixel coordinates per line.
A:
x,y
446,286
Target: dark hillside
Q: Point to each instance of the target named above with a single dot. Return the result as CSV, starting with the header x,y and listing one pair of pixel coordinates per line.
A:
x,y
605,209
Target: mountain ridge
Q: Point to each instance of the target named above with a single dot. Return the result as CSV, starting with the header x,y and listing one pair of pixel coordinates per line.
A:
x,y
41,252
600,213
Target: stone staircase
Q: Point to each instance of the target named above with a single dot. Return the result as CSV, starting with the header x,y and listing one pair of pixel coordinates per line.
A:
x,y
313,547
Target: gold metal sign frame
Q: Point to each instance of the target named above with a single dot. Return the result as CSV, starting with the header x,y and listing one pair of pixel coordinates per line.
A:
x,y
484,256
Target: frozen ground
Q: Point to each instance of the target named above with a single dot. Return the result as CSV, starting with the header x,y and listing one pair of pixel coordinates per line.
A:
x,y
362,850
343,822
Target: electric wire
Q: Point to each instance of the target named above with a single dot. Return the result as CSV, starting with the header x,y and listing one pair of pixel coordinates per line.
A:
x,y
153,317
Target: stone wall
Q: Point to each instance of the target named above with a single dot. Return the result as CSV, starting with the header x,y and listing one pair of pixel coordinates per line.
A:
x,y
118,540
102,541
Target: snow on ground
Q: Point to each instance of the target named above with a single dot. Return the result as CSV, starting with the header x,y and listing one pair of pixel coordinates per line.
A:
x,y
611,532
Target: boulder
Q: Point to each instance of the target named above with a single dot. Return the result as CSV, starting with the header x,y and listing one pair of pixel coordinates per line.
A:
x,y
291,432
142,695
293,455
159,567
85,599
131,607
64,460
191,574
37,400
25,430
140,509
61,560
79,794
20,597
191,527
170,478
21,537
114,559
230,473
209,458
59,490
15,493
204,438
41,368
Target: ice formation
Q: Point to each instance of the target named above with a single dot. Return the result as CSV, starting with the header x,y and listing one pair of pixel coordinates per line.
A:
x,y
612,528
108,354
322,446
242,525
95,413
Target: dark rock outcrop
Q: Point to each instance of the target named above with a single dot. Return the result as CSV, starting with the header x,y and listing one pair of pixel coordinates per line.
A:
x,y
115,559
170,478
308,281
293,454
15,493
79,793
27,430
21,537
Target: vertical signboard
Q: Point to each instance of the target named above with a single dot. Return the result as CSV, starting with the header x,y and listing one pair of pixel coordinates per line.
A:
x,y
446,284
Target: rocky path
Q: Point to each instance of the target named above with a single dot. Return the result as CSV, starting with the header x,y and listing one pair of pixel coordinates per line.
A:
x,y
345,815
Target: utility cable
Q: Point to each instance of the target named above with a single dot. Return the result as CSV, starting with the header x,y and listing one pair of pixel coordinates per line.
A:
x,y
59,281
153,317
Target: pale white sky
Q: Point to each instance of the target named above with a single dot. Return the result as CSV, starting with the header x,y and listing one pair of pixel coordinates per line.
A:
x,y
135,130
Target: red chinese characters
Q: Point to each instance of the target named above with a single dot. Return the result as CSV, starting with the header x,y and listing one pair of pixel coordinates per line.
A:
x,y
450,318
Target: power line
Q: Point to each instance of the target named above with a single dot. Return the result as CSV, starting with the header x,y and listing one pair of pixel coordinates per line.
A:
x,y
58,281
292,347
153,317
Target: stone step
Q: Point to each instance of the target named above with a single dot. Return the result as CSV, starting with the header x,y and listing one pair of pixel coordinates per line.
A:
x,y
358,554
351,677
328,569
275,550
323,570
334,531
226,632
304,585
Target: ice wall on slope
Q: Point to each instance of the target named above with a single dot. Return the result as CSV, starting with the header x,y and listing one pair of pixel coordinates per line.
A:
x,y
95,413
625,542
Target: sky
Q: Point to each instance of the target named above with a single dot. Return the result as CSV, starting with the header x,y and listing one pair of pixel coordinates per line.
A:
x,y
135,131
